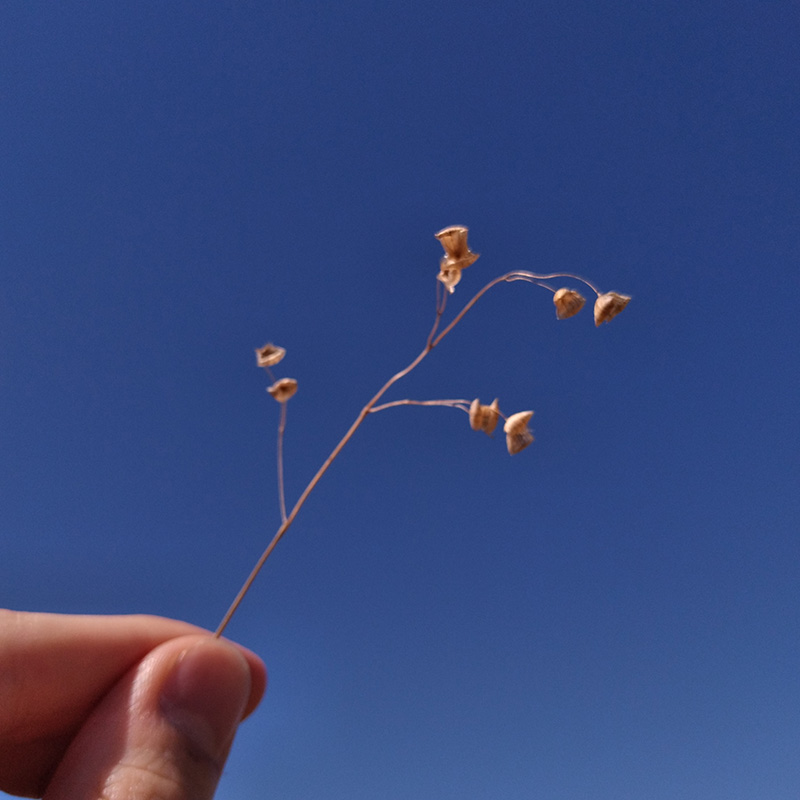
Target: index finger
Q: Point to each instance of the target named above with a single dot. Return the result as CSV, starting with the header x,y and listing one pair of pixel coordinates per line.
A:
x,y
54,668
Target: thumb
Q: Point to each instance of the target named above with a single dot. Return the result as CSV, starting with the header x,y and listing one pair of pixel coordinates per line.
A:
x,y
166,728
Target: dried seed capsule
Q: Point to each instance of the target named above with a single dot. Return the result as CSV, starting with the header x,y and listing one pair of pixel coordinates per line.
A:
x,y
518,435
449,277
457,253
568,303
608,305
283,389
269,355
484,418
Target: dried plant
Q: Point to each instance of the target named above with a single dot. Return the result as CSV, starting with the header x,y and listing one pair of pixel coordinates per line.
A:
x,y
483,418
568,303
283,389
269,355
457,257
608,305
518,434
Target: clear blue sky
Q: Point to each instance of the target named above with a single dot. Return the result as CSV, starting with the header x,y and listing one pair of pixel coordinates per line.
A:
x,y
610,615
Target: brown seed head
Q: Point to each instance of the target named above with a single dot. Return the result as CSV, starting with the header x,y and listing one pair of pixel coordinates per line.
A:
x,y
608,305
568,303
269,355
283,389
449,277
518,434
456,252
457,255
484,418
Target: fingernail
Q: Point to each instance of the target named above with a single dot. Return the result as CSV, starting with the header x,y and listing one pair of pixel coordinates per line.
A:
x,y
204,696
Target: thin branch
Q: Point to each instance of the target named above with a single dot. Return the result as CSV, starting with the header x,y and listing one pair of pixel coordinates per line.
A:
x,y
281,429
517,275
312,484
462,404
532,277
441,302
466,308
430,344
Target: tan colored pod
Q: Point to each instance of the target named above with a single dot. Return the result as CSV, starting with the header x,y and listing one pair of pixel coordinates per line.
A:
x,y
483,418
457,255
269,355
283,389
608,305
518,434
568,303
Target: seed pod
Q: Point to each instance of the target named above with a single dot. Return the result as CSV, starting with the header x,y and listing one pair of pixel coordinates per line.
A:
x,y
449,277
484,418
283,389
608,305
518,435
269,355
457,253
568,303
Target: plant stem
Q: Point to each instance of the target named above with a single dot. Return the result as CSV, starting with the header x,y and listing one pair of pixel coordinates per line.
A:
x,y
462,404
441,302
312,484
430,344
516,275
281,429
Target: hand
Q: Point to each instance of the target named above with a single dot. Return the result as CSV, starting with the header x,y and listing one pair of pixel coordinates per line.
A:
x,y
118,707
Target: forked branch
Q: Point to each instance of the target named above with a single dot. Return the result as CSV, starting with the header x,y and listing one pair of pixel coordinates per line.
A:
x,y
482,417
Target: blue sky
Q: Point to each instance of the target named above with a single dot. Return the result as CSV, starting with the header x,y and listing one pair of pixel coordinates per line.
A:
x,y
612,613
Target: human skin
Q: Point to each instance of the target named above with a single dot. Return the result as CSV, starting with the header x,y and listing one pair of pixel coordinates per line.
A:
x,y
118,707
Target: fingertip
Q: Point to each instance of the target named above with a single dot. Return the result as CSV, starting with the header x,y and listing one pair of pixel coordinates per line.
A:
x,y
206,693
258,677
167,725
